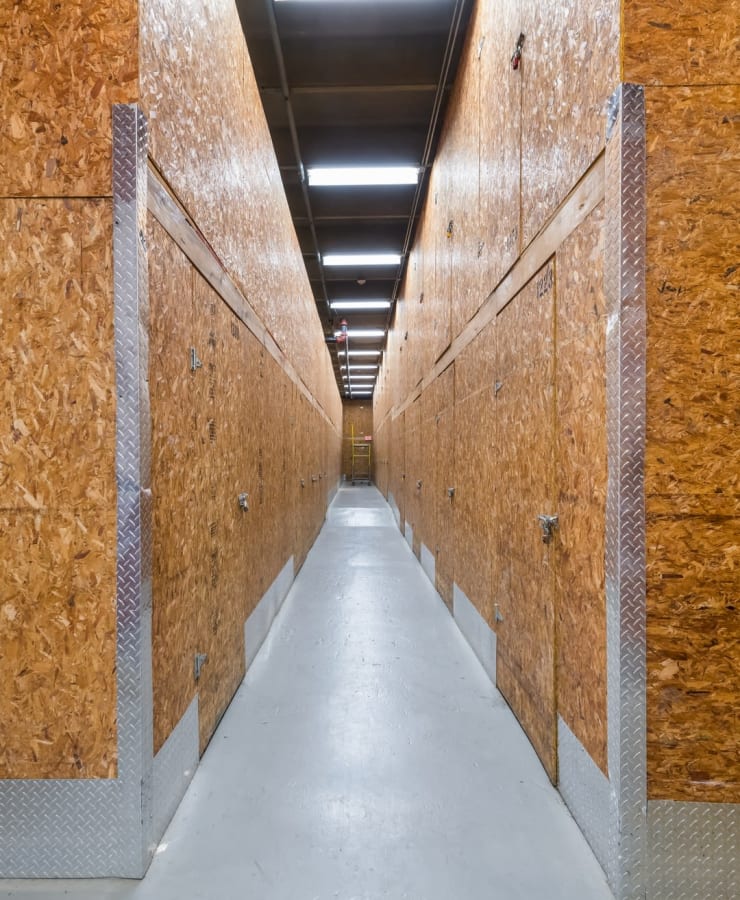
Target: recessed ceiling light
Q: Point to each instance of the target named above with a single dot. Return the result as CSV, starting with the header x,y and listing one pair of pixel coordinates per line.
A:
x,y
352,176
360,305
362,333
361,259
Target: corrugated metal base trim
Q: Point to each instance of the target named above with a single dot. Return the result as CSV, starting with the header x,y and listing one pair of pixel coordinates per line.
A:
x,y
174,767
408,533
394,508
428,563
694,850
258,624
476,631
588,795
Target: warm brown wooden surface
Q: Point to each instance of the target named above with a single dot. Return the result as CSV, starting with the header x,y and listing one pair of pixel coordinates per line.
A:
x,y
476,467
500,111
524,588
443,475
671,42
581,485
570,68
63,66
692,453
57,490
197,81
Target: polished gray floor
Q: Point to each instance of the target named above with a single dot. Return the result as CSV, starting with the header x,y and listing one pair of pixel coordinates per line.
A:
x,y
365,756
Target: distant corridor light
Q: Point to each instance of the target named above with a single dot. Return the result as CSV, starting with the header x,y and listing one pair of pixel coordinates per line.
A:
x,y
361,176
363,333
361,259
360,305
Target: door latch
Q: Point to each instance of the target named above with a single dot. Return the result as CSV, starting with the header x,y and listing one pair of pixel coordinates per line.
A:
x,y
548,525
200,660
243,502
195,363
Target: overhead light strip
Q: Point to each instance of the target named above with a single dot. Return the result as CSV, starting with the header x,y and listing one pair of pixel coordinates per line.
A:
x,y
362,176
361,259
359,305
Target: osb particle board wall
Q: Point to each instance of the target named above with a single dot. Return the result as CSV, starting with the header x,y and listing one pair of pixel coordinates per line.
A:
x,y
192,85
62,68
687,59
514,145
693,457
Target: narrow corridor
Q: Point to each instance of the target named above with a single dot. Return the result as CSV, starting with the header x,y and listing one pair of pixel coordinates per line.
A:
x,y
366,755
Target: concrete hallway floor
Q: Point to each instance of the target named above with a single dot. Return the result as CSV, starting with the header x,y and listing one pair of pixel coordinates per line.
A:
x,y
366,755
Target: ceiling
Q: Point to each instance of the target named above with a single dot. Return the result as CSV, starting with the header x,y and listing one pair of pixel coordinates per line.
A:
x,y
349,83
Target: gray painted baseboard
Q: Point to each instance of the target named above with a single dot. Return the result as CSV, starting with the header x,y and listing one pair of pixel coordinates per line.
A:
x,y
259,622
475,629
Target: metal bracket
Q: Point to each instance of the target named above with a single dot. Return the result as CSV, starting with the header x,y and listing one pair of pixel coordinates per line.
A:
x,y
244,502
418,485
517,55
450,492
548,525
497,617
303,482
497,386
195,363
200,660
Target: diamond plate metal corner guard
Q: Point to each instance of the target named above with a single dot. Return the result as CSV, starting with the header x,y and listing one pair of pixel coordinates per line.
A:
x,y
625,515
88,828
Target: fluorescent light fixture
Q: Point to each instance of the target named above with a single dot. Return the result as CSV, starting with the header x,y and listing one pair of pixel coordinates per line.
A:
x,y
361,368
361,259
358,378
360,305
360,352
360,176
362,333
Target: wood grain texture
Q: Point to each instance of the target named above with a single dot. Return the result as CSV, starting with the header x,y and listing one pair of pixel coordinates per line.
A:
x,y
57,491
693,659
692,282
673,43
443,479
476,473
413,470
56,318
570,68
63,66
464,123
500,111
197,80
58,644
179,473
692,452
524,571
581,485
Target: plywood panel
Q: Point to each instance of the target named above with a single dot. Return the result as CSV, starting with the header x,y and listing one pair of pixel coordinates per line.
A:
x,y
693,659
443,472
524,586
58,644
196,84
413,469
673,43
691,454
178,476
569,70
56,319
692,280
581,486
63,66
500,109
476,471
58,537
475,366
